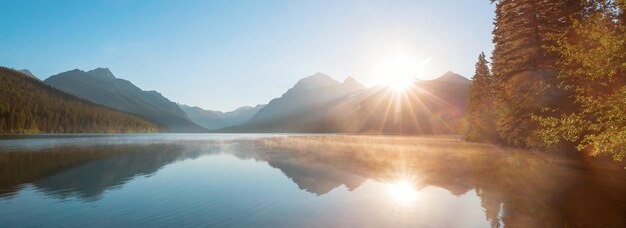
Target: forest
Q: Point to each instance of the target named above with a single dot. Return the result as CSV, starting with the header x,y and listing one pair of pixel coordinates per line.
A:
x,y
29,106
556,79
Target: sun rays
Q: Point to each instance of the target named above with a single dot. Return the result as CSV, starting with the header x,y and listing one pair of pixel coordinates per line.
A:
x,y
413,110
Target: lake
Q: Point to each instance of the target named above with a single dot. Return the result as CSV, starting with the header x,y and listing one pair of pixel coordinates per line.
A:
x,y
239,180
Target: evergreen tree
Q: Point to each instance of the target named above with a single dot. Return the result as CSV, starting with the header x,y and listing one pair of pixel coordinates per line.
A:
x,y
524,64
480,111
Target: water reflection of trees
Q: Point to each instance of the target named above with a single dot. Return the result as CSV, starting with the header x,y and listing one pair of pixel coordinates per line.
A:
x,y
516,188
87,171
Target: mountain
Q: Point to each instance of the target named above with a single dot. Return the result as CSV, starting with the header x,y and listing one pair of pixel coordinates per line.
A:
x,y
320,104
102,87
427,107
29,74
216,119
29,106
309,92
452,78
303,108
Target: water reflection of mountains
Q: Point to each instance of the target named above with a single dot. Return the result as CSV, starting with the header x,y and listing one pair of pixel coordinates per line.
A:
x,y
515,188
88,171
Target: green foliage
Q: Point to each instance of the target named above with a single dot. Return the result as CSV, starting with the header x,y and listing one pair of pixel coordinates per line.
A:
x,y
559,76
29,106
594,71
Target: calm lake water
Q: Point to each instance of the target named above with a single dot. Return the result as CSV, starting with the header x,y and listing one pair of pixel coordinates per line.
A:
x,y
298,181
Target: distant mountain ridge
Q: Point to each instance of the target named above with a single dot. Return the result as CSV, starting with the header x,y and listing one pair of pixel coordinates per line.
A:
x,y
213,120
320,104
102,87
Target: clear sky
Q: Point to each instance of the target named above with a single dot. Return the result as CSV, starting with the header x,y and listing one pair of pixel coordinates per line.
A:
x,y
221,55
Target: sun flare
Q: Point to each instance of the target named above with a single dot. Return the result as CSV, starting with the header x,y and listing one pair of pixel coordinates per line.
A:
x,y
399,72
402,191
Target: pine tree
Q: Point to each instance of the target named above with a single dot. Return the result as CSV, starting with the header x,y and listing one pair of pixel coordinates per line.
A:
x,y
524,64
480,112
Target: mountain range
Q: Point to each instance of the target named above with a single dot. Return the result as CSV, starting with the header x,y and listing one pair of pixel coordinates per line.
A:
x,y
102,87
320,104
315,104
213,120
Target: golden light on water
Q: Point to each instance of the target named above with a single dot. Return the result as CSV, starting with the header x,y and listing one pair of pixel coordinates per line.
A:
x,y
402,191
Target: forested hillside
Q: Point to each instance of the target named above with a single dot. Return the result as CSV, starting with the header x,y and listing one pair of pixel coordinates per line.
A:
x,y
29,106
557,77
102,87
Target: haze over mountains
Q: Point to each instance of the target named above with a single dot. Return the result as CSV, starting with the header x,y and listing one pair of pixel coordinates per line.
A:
x,y
315,104
213,120
308,93
320,104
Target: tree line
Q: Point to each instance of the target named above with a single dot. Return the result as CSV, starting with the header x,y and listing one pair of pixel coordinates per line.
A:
x,y
29,106
557,77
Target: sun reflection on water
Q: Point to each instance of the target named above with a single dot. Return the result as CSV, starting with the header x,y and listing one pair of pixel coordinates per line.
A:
x,y
402,191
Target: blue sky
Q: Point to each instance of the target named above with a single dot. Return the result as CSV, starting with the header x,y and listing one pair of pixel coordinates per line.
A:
x,y
221,55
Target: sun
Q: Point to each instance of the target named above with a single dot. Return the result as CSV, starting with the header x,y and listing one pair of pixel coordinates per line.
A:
x,y
402,191
399,83
398,72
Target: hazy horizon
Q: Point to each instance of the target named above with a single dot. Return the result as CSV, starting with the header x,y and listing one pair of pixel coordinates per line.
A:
x,y
198,53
